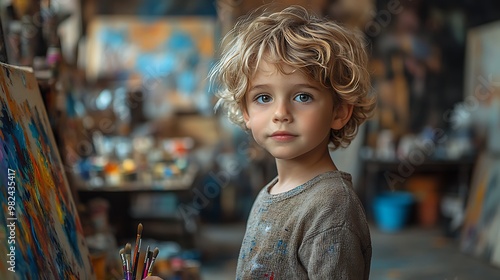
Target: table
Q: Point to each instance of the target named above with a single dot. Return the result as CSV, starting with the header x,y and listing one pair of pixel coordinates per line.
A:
x,y
383,175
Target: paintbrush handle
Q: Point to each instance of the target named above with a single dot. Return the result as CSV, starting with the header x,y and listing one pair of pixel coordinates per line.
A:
x,y
145,270
129,273
136,256
150,267
124,272
124,266
147,262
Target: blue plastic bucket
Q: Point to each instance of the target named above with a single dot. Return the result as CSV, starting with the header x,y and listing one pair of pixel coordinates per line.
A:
x,y
392,209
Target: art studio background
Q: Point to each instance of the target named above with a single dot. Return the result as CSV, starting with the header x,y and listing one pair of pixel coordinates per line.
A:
x,y
124,85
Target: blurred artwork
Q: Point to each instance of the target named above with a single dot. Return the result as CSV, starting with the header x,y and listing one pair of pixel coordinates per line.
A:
x,y
167,58
482,81
158,8
41,234
481,230
483,61
401,78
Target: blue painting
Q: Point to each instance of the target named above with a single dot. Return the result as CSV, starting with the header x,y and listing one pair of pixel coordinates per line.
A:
x,y
167,58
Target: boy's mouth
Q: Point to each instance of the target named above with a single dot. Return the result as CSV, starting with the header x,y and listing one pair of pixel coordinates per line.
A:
x,y
282,135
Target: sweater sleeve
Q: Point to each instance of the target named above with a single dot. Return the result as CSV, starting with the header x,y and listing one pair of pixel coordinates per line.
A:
x,y
335,253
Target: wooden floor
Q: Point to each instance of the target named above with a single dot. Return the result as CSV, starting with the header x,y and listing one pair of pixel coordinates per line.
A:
x,y
411,254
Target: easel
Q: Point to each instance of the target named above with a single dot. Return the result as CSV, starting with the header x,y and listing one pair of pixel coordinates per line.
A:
x,y
3,46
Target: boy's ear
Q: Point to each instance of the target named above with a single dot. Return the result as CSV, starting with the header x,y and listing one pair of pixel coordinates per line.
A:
x,y
342,116
246,118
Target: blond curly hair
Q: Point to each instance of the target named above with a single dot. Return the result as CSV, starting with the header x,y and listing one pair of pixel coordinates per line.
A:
x,y
322,49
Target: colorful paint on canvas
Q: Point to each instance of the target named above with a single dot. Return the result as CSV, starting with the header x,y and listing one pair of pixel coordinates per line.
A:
x,y
41,235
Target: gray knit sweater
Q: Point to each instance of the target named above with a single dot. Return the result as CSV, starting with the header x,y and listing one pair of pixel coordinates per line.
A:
x,y
315,231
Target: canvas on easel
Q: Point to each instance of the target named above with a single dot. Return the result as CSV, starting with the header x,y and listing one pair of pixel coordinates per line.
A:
x,y
41,235
481,229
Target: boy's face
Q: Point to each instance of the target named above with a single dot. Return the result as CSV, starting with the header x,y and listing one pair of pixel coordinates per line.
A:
x,y
289,114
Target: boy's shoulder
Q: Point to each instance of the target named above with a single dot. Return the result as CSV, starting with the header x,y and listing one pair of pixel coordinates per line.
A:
x,y
333,183
333,189
333,203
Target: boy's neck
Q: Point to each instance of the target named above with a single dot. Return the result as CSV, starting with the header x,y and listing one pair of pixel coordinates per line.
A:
x,y
293,173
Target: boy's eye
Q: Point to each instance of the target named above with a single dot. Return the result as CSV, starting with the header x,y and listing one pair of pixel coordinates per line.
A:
x,y
303,97
263,98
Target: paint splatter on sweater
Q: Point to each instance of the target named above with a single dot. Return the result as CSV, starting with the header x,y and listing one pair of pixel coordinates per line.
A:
x,y
317,230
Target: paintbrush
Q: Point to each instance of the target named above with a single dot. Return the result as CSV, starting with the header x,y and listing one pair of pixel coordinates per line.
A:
x,y
147,261
153,259
128,249
137,250
124,263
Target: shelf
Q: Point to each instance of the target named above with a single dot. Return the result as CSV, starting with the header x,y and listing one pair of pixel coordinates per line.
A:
x,y
182,183
390,175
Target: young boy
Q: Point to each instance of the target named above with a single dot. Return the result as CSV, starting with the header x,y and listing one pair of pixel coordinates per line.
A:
x,y
299,83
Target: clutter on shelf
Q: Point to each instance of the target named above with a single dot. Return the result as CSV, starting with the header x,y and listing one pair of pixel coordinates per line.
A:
x,y
137,163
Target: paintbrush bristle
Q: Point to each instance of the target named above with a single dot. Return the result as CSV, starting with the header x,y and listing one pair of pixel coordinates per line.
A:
x,y
139,229
122,251
155,252
128,248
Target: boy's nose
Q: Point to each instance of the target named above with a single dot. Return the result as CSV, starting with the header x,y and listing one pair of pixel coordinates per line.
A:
x,y
282,113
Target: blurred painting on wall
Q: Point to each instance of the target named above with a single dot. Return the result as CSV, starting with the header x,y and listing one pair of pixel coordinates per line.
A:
x,y
41,234
167,58
482,81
